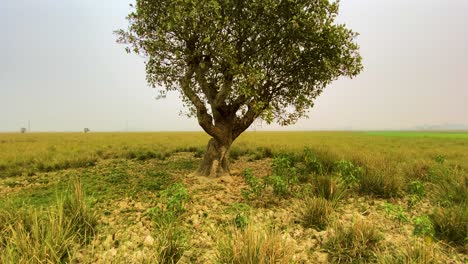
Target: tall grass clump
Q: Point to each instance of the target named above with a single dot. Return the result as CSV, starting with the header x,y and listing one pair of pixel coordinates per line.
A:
x,y
381,182
46,235
317,213
329,187
253,245
355,244
416,252
451,224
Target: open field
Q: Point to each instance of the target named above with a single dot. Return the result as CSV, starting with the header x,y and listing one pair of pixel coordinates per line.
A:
x,y
294,197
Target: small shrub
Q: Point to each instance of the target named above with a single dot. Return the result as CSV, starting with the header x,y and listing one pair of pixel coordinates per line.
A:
x,y
279,184
355,244
311,162
255,185
283,166
423,226
416,191
176,197
251,245
349,172
241,220
317,212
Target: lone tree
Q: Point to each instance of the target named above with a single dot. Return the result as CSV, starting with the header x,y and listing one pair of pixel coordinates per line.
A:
x,y
234,61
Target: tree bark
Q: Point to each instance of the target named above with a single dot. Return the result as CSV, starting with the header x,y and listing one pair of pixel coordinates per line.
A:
x,y
216,160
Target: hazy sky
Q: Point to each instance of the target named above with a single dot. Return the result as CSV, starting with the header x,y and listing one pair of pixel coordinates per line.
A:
x,y
61,68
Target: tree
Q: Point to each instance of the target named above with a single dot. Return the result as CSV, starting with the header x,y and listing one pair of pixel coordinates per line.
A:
x,y
234,61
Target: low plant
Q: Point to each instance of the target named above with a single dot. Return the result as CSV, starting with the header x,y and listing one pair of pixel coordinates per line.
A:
x,y
355,244
253,245
317,212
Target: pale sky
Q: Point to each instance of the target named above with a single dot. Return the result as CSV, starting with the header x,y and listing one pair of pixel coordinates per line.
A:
x,y
61,68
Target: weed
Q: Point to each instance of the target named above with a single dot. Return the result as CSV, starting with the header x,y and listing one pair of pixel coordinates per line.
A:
x,y
356,243
317,212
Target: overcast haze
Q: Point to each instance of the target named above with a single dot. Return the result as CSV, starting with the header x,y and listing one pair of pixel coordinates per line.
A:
x,y
61,68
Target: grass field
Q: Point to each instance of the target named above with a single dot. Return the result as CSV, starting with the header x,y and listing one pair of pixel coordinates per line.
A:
x,y
294,197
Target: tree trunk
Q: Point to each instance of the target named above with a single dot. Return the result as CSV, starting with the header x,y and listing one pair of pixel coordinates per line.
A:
x,y
216,160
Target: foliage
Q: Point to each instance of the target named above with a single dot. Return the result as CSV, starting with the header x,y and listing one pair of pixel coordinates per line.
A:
x,y
236,61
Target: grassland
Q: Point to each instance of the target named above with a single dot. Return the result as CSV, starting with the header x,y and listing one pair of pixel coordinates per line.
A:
x,y
294,197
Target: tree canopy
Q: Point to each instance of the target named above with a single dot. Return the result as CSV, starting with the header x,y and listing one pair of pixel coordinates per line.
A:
x,y
234,61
